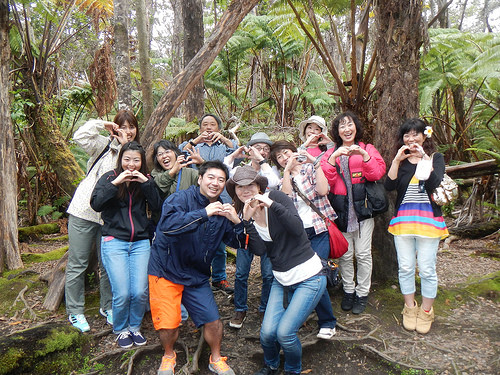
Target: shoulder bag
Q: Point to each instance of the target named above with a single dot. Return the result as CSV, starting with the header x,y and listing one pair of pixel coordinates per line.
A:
x,y
338,243
446,192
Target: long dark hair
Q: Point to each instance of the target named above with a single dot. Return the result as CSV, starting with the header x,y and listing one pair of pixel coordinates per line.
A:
x,y
417,125
167,145
280,146
133,186
124,115
334,130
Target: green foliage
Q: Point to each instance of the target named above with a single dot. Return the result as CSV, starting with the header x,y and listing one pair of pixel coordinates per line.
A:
x,y
54,209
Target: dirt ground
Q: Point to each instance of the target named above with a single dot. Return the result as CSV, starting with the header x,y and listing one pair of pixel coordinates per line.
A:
x,y
465,338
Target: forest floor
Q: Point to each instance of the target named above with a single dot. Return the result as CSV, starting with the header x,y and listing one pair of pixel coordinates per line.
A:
x,y
464,339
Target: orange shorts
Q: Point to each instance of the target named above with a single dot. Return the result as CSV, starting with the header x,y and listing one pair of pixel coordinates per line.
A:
x,y
165,302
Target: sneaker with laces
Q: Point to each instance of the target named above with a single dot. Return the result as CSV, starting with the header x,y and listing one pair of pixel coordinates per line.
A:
x,y
326,333
238,319
167,365
220,367
138,338
108,314
79,321
222,285
359,304
124,340
347,301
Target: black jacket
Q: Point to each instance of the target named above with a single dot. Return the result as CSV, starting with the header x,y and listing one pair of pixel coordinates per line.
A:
x,y
405,173
290,246
125,219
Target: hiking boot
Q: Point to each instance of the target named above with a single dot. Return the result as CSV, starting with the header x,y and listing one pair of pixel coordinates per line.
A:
x,y
359,304
79,321
424,320
124,340
237,319
108,314
267,371
222,285
326,333
167,365
138,338
347,301
220,367
410,317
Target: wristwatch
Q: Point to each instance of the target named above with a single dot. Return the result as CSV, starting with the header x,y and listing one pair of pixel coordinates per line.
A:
x,y
262,161
192,143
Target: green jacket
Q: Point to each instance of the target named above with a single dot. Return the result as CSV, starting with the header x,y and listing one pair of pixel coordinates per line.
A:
x,y
168,184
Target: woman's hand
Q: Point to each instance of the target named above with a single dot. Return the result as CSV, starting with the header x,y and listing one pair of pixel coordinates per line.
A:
x,y
308,156
129,176
343,150
250,207
264,199
253,154
292,162
115,132
402,154
357,150
324,139
194,157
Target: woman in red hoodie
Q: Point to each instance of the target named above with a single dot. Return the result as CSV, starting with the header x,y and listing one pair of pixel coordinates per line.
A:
x,y
347,167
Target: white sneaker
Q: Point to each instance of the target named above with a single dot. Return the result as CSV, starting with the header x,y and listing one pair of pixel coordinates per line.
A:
x,y
326,333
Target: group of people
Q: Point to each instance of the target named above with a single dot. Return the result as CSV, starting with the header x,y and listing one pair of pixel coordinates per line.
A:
x,y
160,238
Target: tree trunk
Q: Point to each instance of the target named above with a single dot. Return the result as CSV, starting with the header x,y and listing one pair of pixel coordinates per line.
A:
x,y
122,57
144,64
188,78
9,251
54,147
399,36
192,11
177,36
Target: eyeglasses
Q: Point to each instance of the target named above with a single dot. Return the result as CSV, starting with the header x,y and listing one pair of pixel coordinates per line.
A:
x,y
260,148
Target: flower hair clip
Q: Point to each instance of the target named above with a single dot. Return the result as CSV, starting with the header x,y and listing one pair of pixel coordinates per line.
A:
x,y
428,131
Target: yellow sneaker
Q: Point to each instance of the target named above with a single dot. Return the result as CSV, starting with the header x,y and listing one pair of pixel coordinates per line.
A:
x,y
167,365
410,317
220,367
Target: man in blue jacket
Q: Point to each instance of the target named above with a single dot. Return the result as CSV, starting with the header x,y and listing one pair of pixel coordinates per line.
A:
x,y
193,223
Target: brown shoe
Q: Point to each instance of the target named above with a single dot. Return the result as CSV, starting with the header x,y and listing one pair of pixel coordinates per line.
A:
x,y
238,319
424,320
410,317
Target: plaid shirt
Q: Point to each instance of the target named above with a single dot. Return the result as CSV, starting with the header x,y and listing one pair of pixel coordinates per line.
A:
x,y
306,183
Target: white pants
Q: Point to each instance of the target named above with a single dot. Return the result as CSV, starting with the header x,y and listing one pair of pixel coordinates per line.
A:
x,y
360,245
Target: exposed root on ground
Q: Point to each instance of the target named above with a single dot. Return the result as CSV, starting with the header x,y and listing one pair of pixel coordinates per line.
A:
x,y
197,353
20,297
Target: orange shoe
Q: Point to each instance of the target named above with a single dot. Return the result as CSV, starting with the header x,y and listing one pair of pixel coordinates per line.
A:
x,y
167,365
220,367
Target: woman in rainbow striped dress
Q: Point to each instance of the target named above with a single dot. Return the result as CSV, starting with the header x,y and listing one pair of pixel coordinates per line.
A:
x,y
418,224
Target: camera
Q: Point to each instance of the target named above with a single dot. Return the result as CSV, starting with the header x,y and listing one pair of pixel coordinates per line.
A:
x,y
301,158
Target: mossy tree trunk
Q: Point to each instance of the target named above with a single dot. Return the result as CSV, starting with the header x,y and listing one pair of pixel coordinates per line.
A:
x,y
54,147
399,37
121,53
9,251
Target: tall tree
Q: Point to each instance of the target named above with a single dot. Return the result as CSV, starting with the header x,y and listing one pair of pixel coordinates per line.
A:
x,y
9,251
144,63
192,12
121,53
191,74
177,32
399,37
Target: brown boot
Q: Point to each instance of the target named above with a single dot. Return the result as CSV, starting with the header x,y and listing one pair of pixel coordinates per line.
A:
x,y
410,317
424,320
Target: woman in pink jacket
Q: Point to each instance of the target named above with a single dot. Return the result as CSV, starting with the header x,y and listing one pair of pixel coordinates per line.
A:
x,y
347,167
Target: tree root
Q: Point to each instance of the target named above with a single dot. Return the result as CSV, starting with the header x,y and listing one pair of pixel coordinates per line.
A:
x,y
385,357
196,356
20,297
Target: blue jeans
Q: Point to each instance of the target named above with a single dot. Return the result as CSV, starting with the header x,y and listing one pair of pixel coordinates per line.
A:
x,y
219,264
321,246
280,325
243,263
421,250
127,266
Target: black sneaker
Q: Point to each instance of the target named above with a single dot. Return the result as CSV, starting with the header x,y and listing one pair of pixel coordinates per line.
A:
x,y
347,301
138,338
238,319
222,285
359,304
267,371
